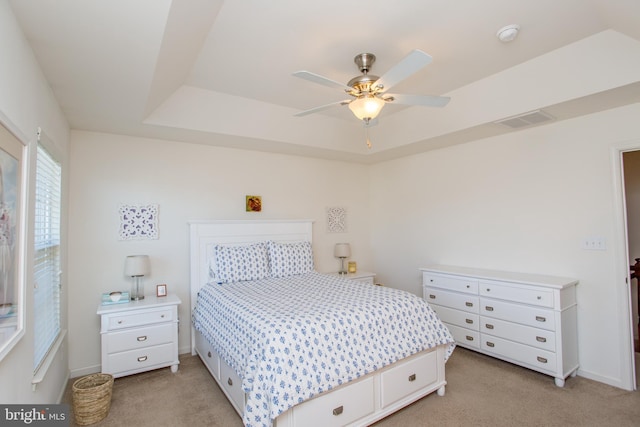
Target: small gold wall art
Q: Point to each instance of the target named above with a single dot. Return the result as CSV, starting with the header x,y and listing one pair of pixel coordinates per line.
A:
x,y
254,203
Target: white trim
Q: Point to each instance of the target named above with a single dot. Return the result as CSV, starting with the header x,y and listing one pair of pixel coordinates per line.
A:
x,y
42,370
622,274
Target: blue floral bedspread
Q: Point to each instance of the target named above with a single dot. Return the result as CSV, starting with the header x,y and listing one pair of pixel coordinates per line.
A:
x,y
292,338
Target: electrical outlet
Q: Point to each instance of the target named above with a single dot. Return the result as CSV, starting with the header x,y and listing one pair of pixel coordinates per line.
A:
x,y
594,244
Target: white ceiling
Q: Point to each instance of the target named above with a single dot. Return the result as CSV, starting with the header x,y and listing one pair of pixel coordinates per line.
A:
x,y
220,72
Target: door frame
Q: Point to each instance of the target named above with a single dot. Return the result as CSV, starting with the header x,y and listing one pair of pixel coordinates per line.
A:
x,y
621,256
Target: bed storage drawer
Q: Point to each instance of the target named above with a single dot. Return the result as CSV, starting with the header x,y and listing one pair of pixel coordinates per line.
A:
x,y
232,386
339,408
208,355
406,379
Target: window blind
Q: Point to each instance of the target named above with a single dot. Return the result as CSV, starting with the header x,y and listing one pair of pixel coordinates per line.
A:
x,y
47,254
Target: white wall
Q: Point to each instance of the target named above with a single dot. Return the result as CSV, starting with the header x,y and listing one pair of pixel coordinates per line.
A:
x,y
188,182
517,202
26,103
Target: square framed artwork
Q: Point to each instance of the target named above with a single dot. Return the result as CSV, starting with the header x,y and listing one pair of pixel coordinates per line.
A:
x,y
138,222
253,203
337,220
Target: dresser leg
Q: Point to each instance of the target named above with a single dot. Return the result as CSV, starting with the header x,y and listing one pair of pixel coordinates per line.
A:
x,y
560,382
441,391
174,368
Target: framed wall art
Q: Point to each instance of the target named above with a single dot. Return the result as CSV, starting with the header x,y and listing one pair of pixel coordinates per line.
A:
x,y
138,222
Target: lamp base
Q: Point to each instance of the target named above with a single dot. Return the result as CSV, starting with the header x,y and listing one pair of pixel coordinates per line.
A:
x,y
342,269
137,290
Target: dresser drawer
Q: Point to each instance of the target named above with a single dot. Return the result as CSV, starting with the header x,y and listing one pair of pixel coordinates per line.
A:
x,y
532,316
139,318
535,337
132,339
515,293
339,408
140,358
232,384
453,283
451,299
457,317
404,380
465,337
536,358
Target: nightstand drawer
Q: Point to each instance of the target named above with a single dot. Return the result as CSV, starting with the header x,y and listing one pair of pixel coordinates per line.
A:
x,y
140,358
139,338
139,318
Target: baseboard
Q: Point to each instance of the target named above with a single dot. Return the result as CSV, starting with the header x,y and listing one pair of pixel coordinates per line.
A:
x,y
615,382
85,371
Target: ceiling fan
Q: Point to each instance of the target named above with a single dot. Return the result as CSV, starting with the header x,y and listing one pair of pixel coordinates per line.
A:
x,y
369,93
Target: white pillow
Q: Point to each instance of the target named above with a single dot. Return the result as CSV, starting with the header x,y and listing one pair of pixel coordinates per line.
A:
x,y
240,263
288,259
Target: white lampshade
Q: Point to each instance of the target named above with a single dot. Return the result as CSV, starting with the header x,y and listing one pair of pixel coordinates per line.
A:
x,y
137,265
366,107
342,250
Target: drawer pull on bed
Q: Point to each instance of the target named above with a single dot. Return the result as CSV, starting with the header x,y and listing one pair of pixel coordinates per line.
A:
x,y
489,326
541,359
489,308
541,339
541,319
468,304
490,344
412,377
469,338
142,338
432,296
142,358
209,354
229,381
469,321
338,410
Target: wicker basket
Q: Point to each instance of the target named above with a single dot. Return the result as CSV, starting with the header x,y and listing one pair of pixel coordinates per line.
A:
x,y
92,398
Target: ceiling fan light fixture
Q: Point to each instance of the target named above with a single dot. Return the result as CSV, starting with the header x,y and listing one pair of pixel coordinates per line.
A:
x,y
366,107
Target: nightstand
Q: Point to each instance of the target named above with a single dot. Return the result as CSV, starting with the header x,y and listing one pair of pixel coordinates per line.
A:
x,y
360,276
139,335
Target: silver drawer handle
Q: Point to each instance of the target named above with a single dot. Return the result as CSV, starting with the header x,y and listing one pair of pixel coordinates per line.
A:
x,y
488,289
229,381
469,338
541,359
490,344
541,319
488,308
338,410
489,326
142,358
412,377
469,321
539,297
432,296
541,339
142,338
119,322
208,354
468,304
162,316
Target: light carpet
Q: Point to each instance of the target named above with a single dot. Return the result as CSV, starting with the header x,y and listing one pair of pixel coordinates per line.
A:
x,y
481,391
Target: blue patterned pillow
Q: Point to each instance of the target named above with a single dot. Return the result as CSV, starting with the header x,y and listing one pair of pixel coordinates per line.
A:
x,y
240,263
288,259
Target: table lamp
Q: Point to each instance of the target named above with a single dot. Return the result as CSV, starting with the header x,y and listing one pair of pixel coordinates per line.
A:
x,y
342,251
137,266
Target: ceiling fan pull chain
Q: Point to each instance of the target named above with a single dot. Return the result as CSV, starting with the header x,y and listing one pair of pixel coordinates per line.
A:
x,y
366,134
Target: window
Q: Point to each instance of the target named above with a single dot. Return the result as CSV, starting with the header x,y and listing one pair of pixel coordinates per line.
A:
x,y
46,255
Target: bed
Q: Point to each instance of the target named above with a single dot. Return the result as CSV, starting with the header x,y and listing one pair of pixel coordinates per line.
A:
x,y
292,347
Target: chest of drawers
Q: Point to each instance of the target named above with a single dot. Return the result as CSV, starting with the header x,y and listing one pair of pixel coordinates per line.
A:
x,y
139,336
526,319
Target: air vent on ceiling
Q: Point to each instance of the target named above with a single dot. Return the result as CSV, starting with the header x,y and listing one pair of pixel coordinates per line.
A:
x,y
527,119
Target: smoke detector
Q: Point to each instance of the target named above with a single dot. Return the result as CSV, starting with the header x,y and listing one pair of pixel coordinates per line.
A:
x,y
508,33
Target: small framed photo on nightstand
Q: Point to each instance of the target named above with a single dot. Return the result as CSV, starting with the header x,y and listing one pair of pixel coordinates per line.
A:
x,y
161,290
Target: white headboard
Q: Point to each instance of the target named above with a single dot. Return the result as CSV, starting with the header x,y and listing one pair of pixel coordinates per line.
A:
x,y
204,235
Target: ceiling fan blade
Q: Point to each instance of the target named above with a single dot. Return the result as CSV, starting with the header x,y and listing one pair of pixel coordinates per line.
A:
x,y
321,108
410,64
317,78
424,100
